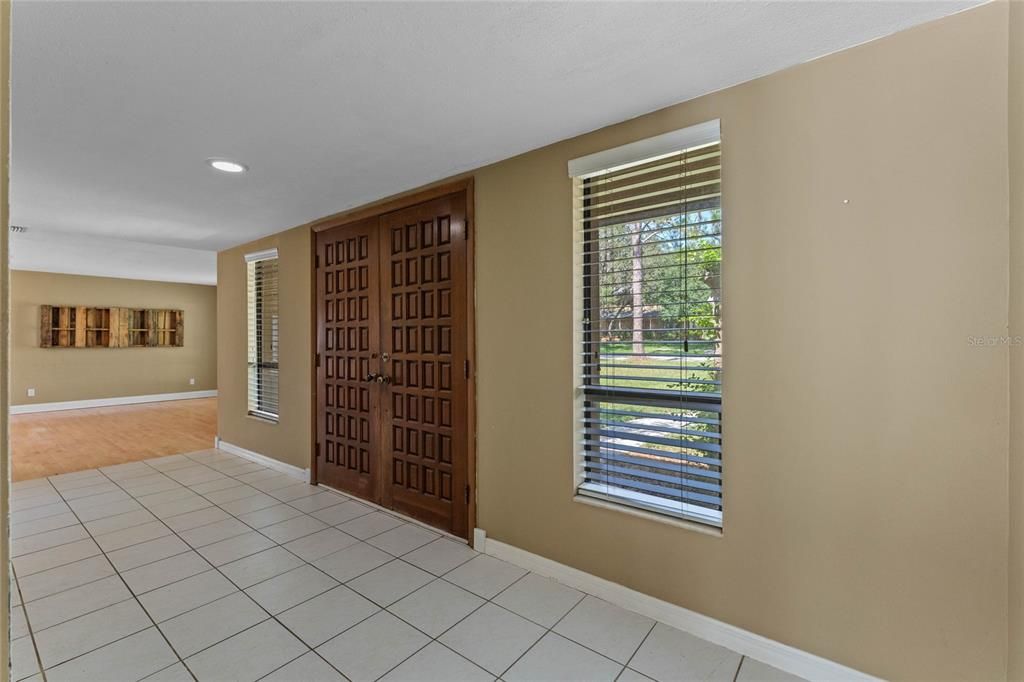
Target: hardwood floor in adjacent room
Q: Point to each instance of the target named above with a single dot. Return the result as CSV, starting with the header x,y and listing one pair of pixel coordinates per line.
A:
x,y
48,443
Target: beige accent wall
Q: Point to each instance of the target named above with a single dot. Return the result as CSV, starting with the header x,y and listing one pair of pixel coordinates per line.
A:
x,y
288,440
61,374
1016,140
866,437
865,440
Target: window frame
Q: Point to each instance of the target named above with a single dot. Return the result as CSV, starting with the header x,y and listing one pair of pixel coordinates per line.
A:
x,y
586,391
255,303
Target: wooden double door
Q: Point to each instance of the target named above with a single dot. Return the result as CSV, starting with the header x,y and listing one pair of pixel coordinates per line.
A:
x,y
393,361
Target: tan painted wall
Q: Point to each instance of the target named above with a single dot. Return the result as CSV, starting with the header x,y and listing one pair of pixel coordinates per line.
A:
x,y
866,439
60,374
289,439
1016,120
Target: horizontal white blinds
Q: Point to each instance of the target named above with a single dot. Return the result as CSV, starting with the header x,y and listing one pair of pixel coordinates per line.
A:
x,y
651,358
648,148
262,278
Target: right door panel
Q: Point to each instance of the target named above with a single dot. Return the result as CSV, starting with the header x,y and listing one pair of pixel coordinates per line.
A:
x,y
424,440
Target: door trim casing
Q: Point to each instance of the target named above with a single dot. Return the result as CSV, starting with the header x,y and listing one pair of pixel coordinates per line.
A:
x,y
404,201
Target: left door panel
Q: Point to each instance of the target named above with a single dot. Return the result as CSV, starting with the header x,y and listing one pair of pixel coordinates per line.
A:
x,y
348,298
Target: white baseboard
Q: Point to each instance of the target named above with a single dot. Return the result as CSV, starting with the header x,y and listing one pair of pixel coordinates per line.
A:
x,y
270,462
781,656
480,540
110,402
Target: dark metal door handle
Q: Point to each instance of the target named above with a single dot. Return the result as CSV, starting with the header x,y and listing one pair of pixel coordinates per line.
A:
x,y
372,376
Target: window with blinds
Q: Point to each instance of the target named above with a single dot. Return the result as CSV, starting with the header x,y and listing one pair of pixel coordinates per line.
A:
x,y
261,275
649,257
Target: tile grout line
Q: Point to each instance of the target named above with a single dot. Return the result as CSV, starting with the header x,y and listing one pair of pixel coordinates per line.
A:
x,y
408,519
346,498
93,556
486,601
343,498
437,639
239,589
640,646
153,520
548,630
736,675
86,613
196,548
435,578
178,662
306,563
24,607
138,499
28,624
340,583
192,549
345,584
14,515
127,587
311,651
554,625
28,535
24,604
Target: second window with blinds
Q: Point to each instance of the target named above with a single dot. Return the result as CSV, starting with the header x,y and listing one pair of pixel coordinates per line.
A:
x,y
649,332
262,317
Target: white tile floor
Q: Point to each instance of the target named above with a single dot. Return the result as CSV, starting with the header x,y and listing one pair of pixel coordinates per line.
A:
x,y
207,566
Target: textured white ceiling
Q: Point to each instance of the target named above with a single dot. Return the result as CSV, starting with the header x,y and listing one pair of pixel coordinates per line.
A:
x,y
86,254
116,105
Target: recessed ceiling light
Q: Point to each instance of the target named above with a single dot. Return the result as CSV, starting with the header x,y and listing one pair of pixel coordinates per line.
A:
x,y
227,166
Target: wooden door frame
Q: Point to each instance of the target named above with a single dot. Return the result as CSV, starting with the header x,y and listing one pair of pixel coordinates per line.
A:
x,y
464,185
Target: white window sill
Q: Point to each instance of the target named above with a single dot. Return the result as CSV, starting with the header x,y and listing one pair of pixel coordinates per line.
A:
x,y
675,521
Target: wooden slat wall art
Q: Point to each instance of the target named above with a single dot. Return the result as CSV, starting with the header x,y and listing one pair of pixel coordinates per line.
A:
x,y
89,331
86,327
64,326
138,328
45,326
148,326
124,325
152,329
78,326
179,328
110,321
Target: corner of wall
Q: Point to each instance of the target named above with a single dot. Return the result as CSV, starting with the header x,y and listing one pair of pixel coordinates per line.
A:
x,y
289,439
1015,620
5,310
